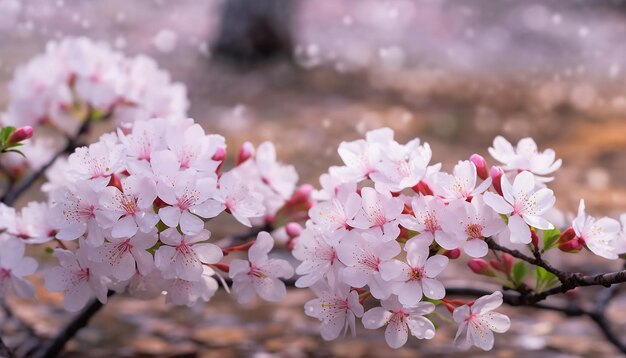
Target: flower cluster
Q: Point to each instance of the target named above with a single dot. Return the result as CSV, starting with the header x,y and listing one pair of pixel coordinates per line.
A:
x,y
388,222
129,213
78,80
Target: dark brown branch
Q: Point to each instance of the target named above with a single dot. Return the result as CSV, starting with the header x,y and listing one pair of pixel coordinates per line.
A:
x,y
537,260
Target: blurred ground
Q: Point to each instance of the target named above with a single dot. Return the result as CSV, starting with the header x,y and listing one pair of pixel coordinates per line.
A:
x,y
453,73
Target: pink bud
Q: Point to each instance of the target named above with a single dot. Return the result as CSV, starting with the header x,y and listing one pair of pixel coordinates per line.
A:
x,y
219,156
20,134
481,166
496,177
245,153
293,229
534,239
302,195
567,235
508,261
572,246
452,254
481,267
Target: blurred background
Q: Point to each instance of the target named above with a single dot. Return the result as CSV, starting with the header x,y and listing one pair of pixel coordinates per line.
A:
x,y
308,74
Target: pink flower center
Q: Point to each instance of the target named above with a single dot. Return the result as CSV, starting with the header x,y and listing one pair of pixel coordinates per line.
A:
x,y
474,231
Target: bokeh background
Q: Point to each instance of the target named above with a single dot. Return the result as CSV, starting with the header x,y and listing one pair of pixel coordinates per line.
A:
x,y
308,74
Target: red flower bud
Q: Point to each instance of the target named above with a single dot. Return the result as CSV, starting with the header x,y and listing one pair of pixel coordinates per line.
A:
x,y
245,153
20,134
293,229
567,235
572,246
496,178
219,156
534,239
481,166
481,267
452,254
508,262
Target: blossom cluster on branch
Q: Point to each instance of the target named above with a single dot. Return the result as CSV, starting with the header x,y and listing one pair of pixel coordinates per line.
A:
x,y
388,223
129,214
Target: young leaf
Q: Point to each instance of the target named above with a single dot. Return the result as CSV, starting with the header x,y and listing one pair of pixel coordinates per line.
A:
x,y
550,239
520,270
5,133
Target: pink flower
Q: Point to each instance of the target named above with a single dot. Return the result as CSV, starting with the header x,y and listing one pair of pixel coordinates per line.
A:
x,y
417,275
477,322
525,157
429,219
599,236
122,257
96,163
260,274
234,195
401,320
318,255
461,185
380,212
337,309
73,213
182,256
524,204
13,267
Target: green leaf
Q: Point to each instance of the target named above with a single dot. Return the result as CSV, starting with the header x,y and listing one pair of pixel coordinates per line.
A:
x,y
5,133
550,239
49,250
520,270
505,218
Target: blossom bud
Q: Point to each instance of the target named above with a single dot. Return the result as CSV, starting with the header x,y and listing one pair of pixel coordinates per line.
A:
x,y
245,153
572,246
452,254
496,265
567,235
481,166
534,239
219,156
20,134
293,229
508,262
302,195
481,267
496,177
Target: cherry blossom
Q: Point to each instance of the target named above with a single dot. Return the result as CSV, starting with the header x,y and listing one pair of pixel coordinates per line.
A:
x,y
476,221
362,156
477,322
189,198
402,166
128,210
32,224
13,267
318,255
183,292
76,278
524,204
194,149
96,163
182,256
333,215
417,275
236,197
260,274
599,236
401,320
337,309
122,257
379,211
364,254
525,156
429,220
73,213
460,185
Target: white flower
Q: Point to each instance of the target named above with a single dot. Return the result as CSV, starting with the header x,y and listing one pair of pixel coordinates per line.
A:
x,y
76,278
13,267
333,215
182,256
260,274
525,157
183,292
429,219
337,309
400,320
193,148
120,255
74,212
472,223
234,195
477,322
96,163
524,205
379,211
401,166
281,178
128,210
364,254
318,255
417,274
600,236
461,185
189,197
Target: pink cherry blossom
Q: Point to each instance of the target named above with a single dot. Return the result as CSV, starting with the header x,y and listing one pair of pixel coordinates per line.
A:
x,y
13,267
76,278
599,236
128,210
417,275
183,292
337,309
400,320
96,163
429,219
182,256
189,200
33,225
318,255
379,211
73,213
234,195
477,322
260,274
525,157
401,166
473,222
194,149
524,204
460,185
280,178
122,257
333,216
364,254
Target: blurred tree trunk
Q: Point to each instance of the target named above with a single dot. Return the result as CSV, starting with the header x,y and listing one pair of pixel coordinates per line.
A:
x,y
253,30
